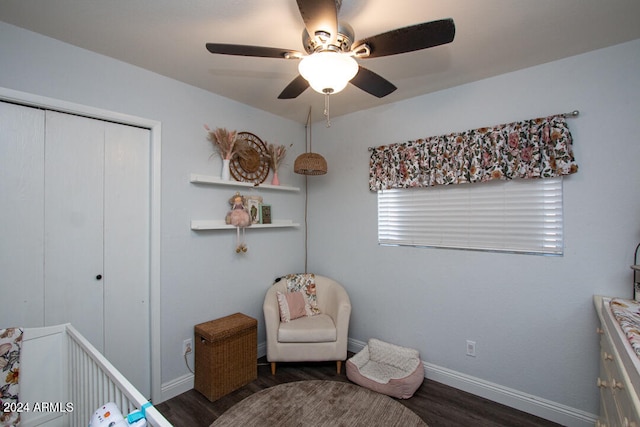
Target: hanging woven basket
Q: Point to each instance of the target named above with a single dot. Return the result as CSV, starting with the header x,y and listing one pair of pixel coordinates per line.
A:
x,y
310,164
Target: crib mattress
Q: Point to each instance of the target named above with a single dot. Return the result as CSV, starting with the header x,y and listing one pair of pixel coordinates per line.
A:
x,y
627,314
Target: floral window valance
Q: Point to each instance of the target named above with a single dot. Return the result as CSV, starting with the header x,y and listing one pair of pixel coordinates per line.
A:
x,y
537,148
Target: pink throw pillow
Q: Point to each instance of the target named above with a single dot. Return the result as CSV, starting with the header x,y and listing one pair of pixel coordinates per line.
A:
x,y
292,306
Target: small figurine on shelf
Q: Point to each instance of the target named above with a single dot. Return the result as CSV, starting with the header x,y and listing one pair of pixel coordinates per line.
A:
x,y
239,217
253,204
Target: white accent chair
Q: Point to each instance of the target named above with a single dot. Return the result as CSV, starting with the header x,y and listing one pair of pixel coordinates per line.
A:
x,y
318,338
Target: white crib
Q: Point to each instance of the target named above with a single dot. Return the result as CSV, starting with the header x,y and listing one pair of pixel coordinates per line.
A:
x,y
64,379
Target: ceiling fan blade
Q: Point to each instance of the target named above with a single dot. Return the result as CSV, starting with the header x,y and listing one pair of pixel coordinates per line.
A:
x,y
372,83
259,51
295,88
409,39
320,15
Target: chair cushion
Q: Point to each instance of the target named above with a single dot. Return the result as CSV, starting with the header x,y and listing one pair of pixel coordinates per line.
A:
x,y
318,328
291,305
305,283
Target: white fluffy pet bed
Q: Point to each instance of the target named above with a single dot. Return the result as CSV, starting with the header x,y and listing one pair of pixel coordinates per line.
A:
x,y
387,368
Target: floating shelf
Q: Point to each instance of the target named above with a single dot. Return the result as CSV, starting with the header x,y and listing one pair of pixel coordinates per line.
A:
x,y
198,225
214,180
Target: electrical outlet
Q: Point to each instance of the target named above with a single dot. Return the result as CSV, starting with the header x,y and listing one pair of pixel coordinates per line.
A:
x,y
187,346
471,348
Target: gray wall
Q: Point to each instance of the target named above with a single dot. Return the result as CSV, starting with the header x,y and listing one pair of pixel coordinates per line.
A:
x,y
531,316
202,278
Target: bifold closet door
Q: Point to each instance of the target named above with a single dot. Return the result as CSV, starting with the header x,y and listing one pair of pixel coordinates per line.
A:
x,y
127,237
73,244
75,231
21,216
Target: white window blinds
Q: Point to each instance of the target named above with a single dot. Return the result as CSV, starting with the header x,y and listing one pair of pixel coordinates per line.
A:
x,y
523,216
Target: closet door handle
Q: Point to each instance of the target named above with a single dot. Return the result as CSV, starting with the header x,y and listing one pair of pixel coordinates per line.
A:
x,y
99,277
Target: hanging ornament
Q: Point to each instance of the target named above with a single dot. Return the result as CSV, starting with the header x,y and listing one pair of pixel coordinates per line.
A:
x,y
241,247
239,217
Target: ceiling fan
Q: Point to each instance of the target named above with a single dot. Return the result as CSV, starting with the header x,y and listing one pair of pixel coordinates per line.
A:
x,y
329,64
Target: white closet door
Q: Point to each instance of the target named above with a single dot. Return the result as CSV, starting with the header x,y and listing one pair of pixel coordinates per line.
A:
x,y
21,215
75,231
126,252
74,187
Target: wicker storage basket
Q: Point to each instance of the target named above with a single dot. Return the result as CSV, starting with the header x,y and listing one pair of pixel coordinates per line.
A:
x,y
226,355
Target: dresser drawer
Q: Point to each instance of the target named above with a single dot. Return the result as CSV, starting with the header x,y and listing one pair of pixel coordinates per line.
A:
x,y
609,382
628,415
619,405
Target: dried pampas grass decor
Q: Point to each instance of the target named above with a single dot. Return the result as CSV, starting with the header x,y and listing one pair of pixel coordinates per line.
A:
x,y
226,142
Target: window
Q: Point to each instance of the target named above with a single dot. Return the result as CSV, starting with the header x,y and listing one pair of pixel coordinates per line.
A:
x,y
523,216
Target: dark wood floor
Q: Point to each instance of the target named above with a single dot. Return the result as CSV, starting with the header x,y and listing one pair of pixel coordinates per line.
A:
x,y
437,404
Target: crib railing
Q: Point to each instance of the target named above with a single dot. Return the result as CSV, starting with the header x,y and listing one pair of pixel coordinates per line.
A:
x,y
93,381
65,380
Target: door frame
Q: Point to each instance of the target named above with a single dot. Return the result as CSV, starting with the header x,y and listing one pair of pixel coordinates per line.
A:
x,y
155,128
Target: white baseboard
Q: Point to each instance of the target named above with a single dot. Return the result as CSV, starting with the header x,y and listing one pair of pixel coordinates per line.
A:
x,y
186,382
537,406
354,345
178,386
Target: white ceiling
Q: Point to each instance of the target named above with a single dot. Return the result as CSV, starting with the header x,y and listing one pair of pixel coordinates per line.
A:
x,y
168,37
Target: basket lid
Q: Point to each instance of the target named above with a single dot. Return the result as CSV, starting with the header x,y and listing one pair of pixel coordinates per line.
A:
x,y
224,327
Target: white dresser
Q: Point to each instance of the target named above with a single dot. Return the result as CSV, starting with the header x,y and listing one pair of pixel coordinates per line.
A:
x,y
619,378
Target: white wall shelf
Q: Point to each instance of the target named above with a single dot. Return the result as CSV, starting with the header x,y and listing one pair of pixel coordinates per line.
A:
x,y
199,225
214,180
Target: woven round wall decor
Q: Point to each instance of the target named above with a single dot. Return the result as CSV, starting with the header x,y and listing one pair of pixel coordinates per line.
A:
x,y
254,166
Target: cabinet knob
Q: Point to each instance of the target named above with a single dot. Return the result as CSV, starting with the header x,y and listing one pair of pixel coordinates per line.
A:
x,y
616,385
599,331
99,277
607,356
602,383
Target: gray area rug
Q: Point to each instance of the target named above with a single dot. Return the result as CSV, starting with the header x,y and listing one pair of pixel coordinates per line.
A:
x,y
318,403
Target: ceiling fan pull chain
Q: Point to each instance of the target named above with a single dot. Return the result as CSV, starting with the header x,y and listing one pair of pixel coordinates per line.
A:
x,y
326,109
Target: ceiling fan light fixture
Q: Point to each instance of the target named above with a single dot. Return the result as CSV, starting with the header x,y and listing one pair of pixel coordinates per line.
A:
x,y
328,72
